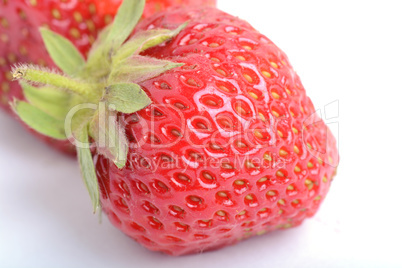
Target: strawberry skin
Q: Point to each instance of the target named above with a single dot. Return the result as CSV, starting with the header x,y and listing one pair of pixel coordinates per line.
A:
x,y
230,147
79,21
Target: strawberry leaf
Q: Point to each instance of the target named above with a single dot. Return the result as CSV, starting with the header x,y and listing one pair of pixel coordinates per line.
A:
x,y
144,40
78,118
111,38
127,17
47,99
39,120
88,169
109,136
126,98
140,68
58,47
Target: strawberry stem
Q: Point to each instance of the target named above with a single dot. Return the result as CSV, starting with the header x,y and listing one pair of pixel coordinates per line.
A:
x,y
31,74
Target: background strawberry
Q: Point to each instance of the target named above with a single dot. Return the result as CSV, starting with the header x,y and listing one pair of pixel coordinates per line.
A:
x,y
79,21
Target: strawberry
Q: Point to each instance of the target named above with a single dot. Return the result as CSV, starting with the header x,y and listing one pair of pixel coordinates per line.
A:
x,y
79,21
200,141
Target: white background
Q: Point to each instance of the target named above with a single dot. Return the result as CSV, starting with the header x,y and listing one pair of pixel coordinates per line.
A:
x,y
344,50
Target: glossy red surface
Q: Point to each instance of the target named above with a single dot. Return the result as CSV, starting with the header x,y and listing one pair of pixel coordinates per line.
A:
x,y
230,147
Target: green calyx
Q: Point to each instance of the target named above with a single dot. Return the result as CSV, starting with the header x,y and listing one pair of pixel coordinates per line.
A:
x,y
82,102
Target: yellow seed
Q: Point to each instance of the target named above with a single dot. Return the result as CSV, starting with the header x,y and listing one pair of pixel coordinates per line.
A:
x,y
241,144
262,117
222,194
292,114
273,64
266,74
11,57
281,202
263,179
280,133
280,174
267,157
33,2
297,169
324,179
75,33
309,184
4,22
221,213
309,146
24,32
239,182
331,161
92,8
275,95
77,16
90,25
108,19
302,109
280,211
288,91
4,100
192,82
242,212
214,45
261,232
295,131
41,62
291,188
252,94
221,72
275,113
215,59
22,15
158,7
320,160
5,87
283,152
56,14
271,193
318,197
258,134
240,58
310,165
296,201
248,78
249,197
23,50
9,76
247,47
240,110
296,149
91,39
224,88
287,226
4,38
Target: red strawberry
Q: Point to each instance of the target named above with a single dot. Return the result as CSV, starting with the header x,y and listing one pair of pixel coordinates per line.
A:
x,y
79,21
229,148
